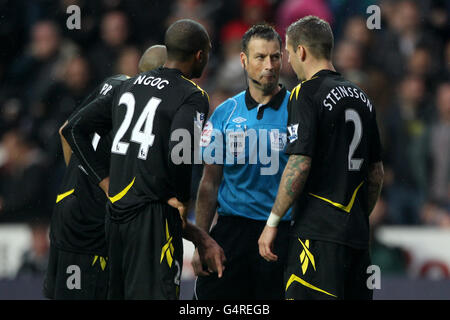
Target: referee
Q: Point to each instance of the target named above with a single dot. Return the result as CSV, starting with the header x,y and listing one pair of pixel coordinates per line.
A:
x,y
334,174
78,261
148,188
238,182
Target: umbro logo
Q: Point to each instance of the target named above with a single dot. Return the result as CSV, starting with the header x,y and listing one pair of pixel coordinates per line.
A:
x,y
239,120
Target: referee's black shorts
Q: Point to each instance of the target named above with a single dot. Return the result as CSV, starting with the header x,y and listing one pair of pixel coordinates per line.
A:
x,y
75,276
322,270
247,275
146,254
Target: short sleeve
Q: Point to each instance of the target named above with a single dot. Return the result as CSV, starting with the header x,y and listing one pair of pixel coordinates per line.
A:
x,y
302,124
212,138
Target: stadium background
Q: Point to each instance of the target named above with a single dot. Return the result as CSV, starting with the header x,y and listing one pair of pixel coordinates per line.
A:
x,y
47,69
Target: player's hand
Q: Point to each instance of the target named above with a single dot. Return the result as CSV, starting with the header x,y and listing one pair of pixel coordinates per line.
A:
x,y
104,184
212,256
197,265
265,243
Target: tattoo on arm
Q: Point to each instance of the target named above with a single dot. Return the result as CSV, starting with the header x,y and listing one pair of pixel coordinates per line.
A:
x,y
292,183
375,183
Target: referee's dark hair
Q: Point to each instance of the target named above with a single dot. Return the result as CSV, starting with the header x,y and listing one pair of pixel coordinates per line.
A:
x,y
261,31
314,33
184,38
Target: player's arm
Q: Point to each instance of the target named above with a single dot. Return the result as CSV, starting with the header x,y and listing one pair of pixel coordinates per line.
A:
x,y
303,118
205,208
291,186
375,183
181,173
94,117
67,150
206,204
184,141
292,183
376,168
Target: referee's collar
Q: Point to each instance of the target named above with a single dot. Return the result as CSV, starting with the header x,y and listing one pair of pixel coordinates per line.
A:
x,y
274,103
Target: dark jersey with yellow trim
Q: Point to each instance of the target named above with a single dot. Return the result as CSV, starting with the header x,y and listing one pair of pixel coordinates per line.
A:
x,y
333,121
153,118
78,220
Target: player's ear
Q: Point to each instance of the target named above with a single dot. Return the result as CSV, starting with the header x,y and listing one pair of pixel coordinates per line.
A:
x,y
301,53
200,55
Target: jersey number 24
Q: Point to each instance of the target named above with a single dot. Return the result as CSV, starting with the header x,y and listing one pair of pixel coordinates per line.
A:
x,y
140,134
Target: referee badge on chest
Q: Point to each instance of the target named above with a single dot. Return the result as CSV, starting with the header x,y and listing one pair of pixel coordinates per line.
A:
x,y
277,140
236,142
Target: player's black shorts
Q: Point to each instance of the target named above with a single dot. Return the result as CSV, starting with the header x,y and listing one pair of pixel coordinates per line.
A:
x,y
75,276
146,254
326,270
247,275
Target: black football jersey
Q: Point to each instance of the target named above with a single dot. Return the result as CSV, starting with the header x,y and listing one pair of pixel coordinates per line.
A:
x,y
78,219
333,121
155,118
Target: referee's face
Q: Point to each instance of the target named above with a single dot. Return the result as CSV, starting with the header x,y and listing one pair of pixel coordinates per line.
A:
x,y
263,63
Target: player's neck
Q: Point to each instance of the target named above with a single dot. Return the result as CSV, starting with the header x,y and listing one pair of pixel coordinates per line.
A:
x,y
260,96
184,67
317,66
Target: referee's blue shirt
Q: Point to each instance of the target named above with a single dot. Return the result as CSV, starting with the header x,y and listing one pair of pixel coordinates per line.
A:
x,y
249,140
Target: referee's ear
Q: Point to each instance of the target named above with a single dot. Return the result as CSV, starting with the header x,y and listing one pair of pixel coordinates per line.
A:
x,y
243,60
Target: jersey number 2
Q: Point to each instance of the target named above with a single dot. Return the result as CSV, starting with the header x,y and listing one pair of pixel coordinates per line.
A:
x,y
353,116
140,134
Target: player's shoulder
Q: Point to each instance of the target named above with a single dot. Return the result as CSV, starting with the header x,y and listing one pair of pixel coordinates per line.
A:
x,y
309,89
117,79
193,88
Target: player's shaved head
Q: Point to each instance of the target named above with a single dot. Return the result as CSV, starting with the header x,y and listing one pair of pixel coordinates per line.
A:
x,y
184,38
152,58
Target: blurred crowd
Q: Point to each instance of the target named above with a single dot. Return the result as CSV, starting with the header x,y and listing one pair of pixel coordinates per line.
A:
x,y
46,70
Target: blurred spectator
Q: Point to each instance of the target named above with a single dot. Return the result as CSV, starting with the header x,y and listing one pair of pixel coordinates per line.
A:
x,y
128,61
421,64
437,210
292,10
197,10
439,18
35,260
406,153
349,62
23,174
230,74
58,102
114,37
31,74
444,70
398,43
